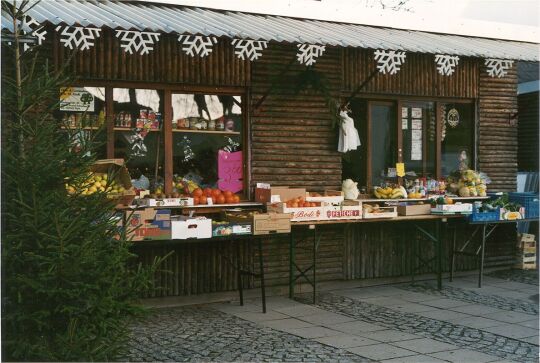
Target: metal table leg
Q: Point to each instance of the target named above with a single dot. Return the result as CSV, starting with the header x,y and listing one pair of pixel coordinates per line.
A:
x,y
291,265
453,254
482,254
438,242
239,269
261,267
315,265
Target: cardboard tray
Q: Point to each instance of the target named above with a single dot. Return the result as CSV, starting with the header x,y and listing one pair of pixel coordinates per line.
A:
x,y
116,168
414,210
271,223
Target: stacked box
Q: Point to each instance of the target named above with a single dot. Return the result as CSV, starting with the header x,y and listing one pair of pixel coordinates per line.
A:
x,y
526,252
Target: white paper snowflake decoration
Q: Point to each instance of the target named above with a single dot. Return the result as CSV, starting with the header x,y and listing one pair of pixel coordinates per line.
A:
x,y
78,37
248,48
498,67
37,30
446,64
136,41
389,60
308,53
197,44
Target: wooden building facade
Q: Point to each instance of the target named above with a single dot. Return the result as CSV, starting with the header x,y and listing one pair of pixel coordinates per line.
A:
x,y
292,142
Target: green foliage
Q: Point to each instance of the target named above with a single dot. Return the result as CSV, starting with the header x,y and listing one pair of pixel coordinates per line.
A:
x,y
69,282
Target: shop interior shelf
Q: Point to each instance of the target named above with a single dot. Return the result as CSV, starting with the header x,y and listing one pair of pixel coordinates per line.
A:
x,y
130,129
84,128
208,131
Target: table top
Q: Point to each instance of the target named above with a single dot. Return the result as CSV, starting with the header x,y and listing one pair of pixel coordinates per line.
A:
x,y
506,221
168,242
421,217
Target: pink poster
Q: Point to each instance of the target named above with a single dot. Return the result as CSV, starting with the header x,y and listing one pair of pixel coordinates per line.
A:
x,y
230,168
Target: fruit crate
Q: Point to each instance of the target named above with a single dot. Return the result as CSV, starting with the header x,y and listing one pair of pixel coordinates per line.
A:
x,y
478,216
528,200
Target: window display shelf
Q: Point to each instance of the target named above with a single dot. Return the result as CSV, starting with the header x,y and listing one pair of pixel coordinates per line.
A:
x,y
131,128
81,128
207,132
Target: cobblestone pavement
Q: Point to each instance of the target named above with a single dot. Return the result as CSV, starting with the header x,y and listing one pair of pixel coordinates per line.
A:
x,y
524,276
200,333
458,335
456,293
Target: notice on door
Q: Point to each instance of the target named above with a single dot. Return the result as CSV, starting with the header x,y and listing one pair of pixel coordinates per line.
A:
x,y
76,99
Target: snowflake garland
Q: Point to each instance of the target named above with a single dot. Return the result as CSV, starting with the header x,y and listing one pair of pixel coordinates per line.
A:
x,y
308,53
446,64
498,67
249,49
78,37
197,44
137,41
36,29
389,60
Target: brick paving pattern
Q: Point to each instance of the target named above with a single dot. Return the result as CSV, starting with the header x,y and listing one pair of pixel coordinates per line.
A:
x,y
524,276
201,334
459,335
457,293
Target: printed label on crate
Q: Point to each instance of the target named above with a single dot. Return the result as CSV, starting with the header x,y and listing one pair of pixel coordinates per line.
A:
x,y
336,214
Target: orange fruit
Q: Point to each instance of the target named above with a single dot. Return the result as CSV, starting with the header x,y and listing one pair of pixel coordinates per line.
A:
x,y
227,193
229,199
202,200
236,198
216,192
208,192
195,200
197,192
220,199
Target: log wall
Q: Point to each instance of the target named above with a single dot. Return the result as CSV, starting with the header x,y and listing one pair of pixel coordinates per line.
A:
x,y
293,143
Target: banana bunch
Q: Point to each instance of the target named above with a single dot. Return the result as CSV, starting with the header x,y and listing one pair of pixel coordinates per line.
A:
x,y
390,193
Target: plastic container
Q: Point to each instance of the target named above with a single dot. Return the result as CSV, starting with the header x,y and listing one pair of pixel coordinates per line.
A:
x,y
478,216
528,200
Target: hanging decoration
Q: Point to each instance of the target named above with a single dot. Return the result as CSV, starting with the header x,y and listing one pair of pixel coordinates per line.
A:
x,y
138,147
197,44
78,37
308,53
136,41
37,30
443,121
446,64
389,60
453,117
187,151
498,67
248,48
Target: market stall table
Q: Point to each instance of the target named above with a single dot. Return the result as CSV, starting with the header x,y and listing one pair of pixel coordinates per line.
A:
x,y
480,250
295,272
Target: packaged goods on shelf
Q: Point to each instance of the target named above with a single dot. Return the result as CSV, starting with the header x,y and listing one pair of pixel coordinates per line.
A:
x,y
463,208
149,224
183,227
230,228
165,202
373,211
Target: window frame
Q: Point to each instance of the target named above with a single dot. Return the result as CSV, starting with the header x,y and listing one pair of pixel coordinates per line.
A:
x,y
398,101
167,133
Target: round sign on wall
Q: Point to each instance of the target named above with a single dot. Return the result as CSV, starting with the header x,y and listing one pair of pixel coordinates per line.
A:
x,y
453,117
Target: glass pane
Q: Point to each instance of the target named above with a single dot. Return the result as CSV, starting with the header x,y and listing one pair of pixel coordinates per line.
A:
x,y
83,109
457,137
418,127
354,161
208,137
138,135
383,141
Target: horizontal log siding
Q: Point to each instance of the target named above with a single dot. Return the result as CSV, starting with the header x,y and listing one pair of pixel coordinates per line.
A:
x,y
528,132
293,142
418,76
497,137
167,63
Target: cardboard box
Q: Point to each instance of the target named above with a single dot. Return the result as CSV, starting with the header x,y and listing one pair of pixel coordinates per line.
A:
x,y
149,224
349,209
414,209
453,208
285,193
297,214
165,202
186,228
227,229
384,212
271,223
526,237
116,169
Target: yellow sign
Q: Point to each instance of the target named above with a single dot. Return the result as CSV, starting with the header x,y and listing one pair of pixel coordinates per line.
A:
x,y
400,169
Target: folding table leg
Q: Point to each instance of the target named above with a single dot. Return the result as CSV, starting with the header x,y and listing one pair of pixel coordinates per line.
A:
x,y
239,269
315,265
482,254
438,239
261,266
291,265
453,254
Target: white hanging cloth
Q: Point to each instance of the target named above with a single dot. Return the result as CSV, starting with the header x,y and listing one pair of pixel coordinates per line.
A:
x,y
348,135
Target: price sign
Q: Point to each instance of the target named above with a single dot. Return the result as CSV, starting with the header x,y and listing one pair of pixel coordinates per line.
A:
x,y
76,99
230,168
400,169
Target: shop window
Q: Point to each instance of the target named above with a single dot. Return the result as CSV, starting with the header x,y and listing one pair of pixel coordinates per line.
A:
x,y
207,141
383,144
419,131
138,135
457,137
82,111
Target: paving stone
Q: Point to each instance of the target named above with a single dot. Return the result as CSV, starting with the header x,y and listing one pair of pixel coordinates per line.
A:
x,y
381,351
346,341
476,309
413,308
533,340
390,335
509,317
299,310
325,318
314,332
415,359
260,316
464,355
468,338
425,345
444,303
478,322
202,334
355,327
286,324
512,331
442,314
